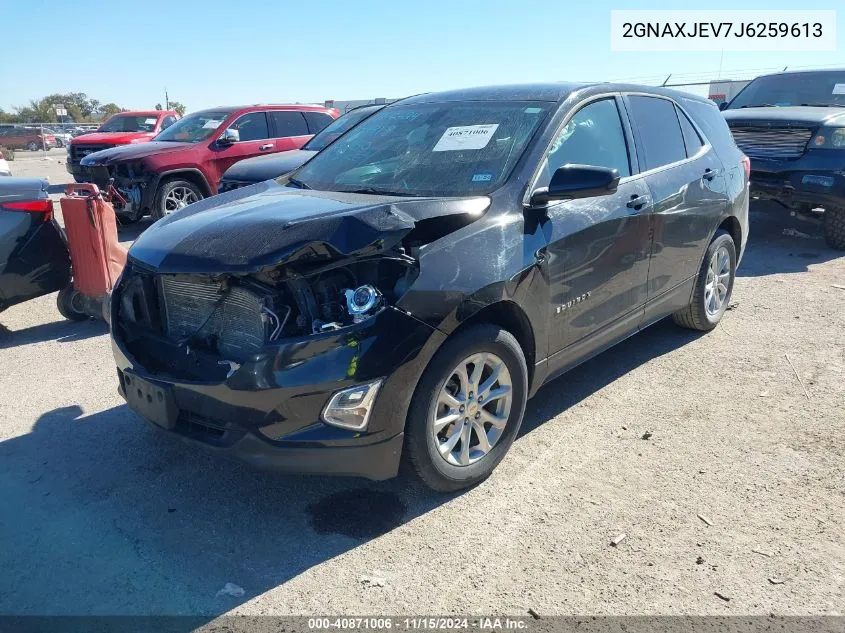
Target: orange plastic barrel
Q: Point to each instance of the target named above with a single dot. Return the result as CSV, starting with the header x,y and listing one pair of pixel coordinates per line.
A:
x,y
96,256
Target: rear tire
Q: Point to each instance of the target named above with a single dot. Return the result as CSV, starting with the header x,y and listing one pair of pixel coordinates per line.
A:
x,y
171,193
65,304
428,451
834,227
713,286
32,147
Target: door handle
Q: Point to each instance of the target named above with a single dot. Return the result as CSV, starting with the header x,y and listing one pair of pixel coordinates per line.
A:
x,y
637,202
710,174
265,146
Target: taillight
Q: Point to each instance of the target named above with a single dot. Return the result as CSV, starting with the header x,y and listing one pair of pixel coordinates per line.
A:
x,y
1,155
746,165
44,207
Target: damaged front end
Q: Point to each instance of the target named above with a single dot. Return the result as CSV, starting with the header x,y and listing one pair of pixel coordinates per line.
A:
x,y
125,183
278,316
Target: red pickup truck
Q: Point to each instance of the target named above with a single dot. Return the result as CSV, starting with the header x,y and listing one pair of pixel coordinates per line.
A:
x,y
184,163
121,129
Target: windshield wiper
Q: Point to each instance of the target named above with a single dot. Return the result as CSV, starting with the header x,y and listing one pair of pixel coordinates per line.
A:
x,y
297,183
383,192
822,105
760,105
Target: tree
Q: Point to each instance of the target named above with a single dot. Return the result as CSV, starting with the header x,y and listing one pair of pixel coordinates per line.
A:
x,y
110,109
158,107
175,105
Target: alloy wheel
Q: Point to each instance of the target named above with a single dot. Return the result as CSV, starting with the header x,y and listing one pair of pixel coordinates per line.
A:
x,y
179,198
472,409
718,280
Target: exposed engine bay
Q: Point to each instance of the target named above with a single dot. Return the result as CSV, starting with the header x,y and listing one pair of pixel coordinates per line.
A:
x,y
174,323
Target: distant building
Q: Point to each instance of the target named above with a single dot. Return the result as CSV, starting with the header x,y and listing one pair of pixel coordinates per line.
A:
x,y
725,89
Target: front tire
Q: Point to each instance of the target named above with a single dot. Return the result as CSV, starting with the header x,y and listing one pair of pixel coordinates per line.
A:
x,y
713,286
173,195
32,147
834,227
65,302
453,440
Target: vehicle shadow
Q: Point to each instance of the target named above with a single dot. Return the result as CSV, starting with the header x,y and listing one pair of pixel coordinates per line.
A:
x,y
102,514
559,395
128,232
62,330
781,243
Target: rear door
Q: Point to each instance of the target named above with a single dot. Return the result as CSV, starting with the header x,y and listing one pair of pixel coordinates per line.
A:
x,y
253,128
289,129
598,250
687,186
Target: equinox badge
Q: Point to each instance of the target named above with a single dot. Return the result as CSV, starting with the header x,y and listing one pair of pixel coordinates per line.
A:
x,y
565,306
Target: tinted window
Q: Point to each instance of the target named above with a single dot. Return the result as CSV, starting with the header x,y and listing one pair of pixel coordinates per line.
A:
x,y
195,127
691,138
317,121
594,136
338,127
811,88
251,127
711,122
660,133
289,123
168,121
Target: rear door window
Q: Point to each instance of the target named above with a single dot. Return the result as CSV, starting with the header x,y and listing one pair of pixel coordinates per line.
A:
x,y
660,136
317,121
692,140
288,123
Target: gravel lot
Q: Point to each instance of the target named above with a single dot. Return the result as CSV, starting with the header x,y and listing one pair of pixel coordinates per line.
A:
x,y
738,486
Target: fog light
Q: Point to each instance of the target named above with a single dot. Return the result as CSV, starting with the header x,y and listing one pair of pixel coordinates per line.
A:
x,y
350,408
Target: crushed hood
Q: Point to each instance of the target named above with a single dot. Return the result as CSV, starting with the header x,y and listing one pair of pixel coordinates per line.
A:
x,y
261,168
266,225
132,152
780,116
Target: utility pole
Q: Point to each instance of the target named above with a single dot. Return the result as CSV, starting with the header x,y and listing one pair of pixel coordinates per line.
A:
x,y
166,100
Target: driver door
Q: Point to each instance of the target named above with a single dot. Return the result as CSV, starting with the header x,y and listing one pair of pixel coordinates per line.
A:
x,y
599,247
254,139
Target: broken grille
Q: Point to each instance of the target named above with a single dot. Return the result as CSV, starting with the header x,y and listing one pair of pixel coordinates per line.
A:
x,y
764,142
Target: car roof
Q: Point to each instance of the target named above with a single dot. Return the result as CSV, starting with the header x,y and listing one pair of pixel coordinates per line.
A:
x,y
147,112
552,92
805,71
266,106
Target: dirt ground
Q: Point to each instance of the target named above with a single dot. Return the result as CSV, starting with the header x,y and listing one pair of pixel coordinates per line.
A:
x,y
719,456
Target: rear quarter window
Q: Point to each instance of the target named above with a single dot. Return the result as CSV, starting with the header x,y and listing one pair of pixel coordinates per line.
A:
x,y
317,121
710,120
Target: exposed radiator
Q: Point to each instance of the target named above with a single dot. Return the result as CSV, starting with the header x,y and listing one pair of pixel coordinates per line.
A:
x,y
229,318
764,142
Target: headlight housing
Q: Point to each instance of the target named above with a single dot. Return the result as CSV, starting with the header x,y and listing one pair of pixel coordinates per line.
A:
x,y
830,138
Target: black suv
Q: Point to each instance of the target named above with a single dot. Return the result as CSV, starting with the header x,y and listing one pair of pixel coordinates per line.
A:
x,y
402,294
792,126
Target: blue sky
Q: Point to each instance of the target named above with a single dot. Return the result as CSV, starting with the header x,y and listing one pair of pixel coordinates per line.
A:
x,y
212,53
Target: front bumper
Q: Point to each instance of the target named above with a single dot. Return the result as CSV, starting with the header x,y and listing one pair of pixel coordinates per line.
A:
x,y
816,178
267,411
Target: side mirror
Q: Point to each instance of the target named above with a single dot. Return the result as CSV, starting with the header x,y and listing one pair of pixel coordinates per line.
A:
x,y
229,137
577,181
723,105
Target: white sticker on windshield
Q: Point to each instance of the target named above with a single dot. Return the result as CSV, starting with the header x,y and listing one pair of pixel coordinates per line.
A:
x,y
149,121
839,89
211,124
465,137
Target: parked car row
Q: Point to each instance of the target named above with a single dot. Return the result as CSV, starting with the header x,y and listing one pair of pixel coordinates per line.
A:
x,y
185,160
27,138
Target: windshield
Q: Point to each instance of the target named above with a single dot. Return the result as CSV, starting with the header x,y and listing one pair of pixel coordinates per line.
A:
x,y
129,123
338,127
815,89
436,149
195,127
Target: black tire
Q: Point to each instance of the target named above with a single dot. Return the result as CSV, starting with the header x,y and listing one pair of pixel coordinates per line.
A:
x,y
159,211
65,301
32,146
834,227
420,452
696,316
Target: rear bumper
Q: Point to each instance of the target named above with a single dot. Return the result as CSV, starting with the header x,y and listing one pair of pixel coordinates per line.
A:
x,y
816,178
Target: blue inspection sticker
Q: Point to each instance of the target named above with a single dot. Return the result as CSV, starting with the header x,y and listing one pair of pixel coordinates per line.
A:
x,y
485,177
824,181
